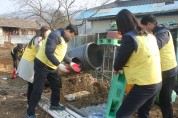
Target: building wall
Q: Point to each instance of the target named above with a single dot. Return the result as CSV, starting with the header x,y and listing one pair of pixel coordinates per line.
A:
x,y
85,28
21,36
31,32
103,25
163,19
100,26
167,18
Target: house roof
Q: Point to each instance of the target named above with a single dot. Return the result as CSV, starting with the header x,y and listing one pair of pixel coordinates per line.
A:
x,y
137,7
12,22
119,3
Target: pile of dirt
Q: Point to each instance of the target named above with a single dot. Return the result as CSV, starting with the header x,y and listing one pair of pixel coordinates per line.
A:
x,y
84,82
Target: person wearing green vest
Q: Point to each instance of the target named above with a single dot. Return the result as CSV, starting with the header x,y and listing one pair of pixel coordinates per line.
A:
x,y
16,54
138,55
46,64
25,69
168,62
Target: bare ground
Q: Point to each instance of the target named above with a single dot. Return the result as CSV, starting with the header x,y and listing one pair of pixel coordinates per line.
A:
x,y
13,92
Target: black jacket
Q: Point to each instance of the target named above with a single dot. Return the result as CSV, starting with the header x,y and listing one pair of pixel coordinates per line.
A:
x,y
14,53
124,52
162,36
53,40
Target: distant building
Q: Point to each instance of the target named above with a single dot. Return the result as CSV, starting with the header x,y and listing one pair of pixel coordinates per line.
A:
x,y
164,10
16,30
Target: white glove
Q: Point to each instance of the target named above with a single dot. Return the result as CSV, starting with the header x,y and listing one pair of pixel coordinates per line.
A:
x,y
63,68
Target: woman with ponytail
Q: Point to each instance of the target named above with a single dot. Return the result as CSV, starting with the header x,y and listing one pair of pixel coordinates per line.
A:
x,y
25,69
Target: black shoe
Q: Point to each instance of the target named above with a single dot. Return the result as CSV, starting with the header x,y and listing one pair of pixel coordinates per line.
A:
x,y
28,116
58,107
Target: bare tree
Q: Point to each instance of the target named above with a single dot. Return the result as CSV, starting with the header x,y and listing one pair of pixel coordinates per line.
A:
x,y
56,13
70,9
46,11
93,6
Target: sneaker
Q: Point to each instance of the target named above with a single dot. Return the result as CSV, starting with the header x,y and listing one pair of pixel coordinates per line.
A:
x,y
59,107
28,116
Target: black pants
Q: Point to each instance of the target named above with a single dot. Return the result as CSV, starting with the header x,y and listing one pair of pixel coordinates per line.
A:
x,y
140,98
29,91
165,97
14,61
41,73
176,87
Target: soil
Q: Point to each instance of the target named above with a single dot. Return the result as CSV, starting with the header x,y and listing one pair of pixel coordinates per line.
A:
x,y
85,82
13,100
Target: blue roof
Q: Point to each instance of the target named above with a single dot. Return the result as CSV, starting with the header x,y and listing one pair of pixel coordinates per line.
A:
x,y
141,9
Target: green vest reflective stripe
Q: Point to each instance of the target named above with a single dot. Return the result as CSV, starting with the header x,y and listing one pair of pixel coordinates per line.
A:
x,y
143,66
168,58
59,53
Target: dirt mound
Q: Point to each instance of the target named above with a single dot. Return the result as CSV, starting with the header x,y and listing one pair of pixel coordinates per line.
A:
x,y
85,82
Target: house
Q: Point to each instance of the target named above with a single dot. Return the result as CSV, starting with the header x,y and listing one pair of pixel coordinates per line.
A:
x,y
16,30
164,10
